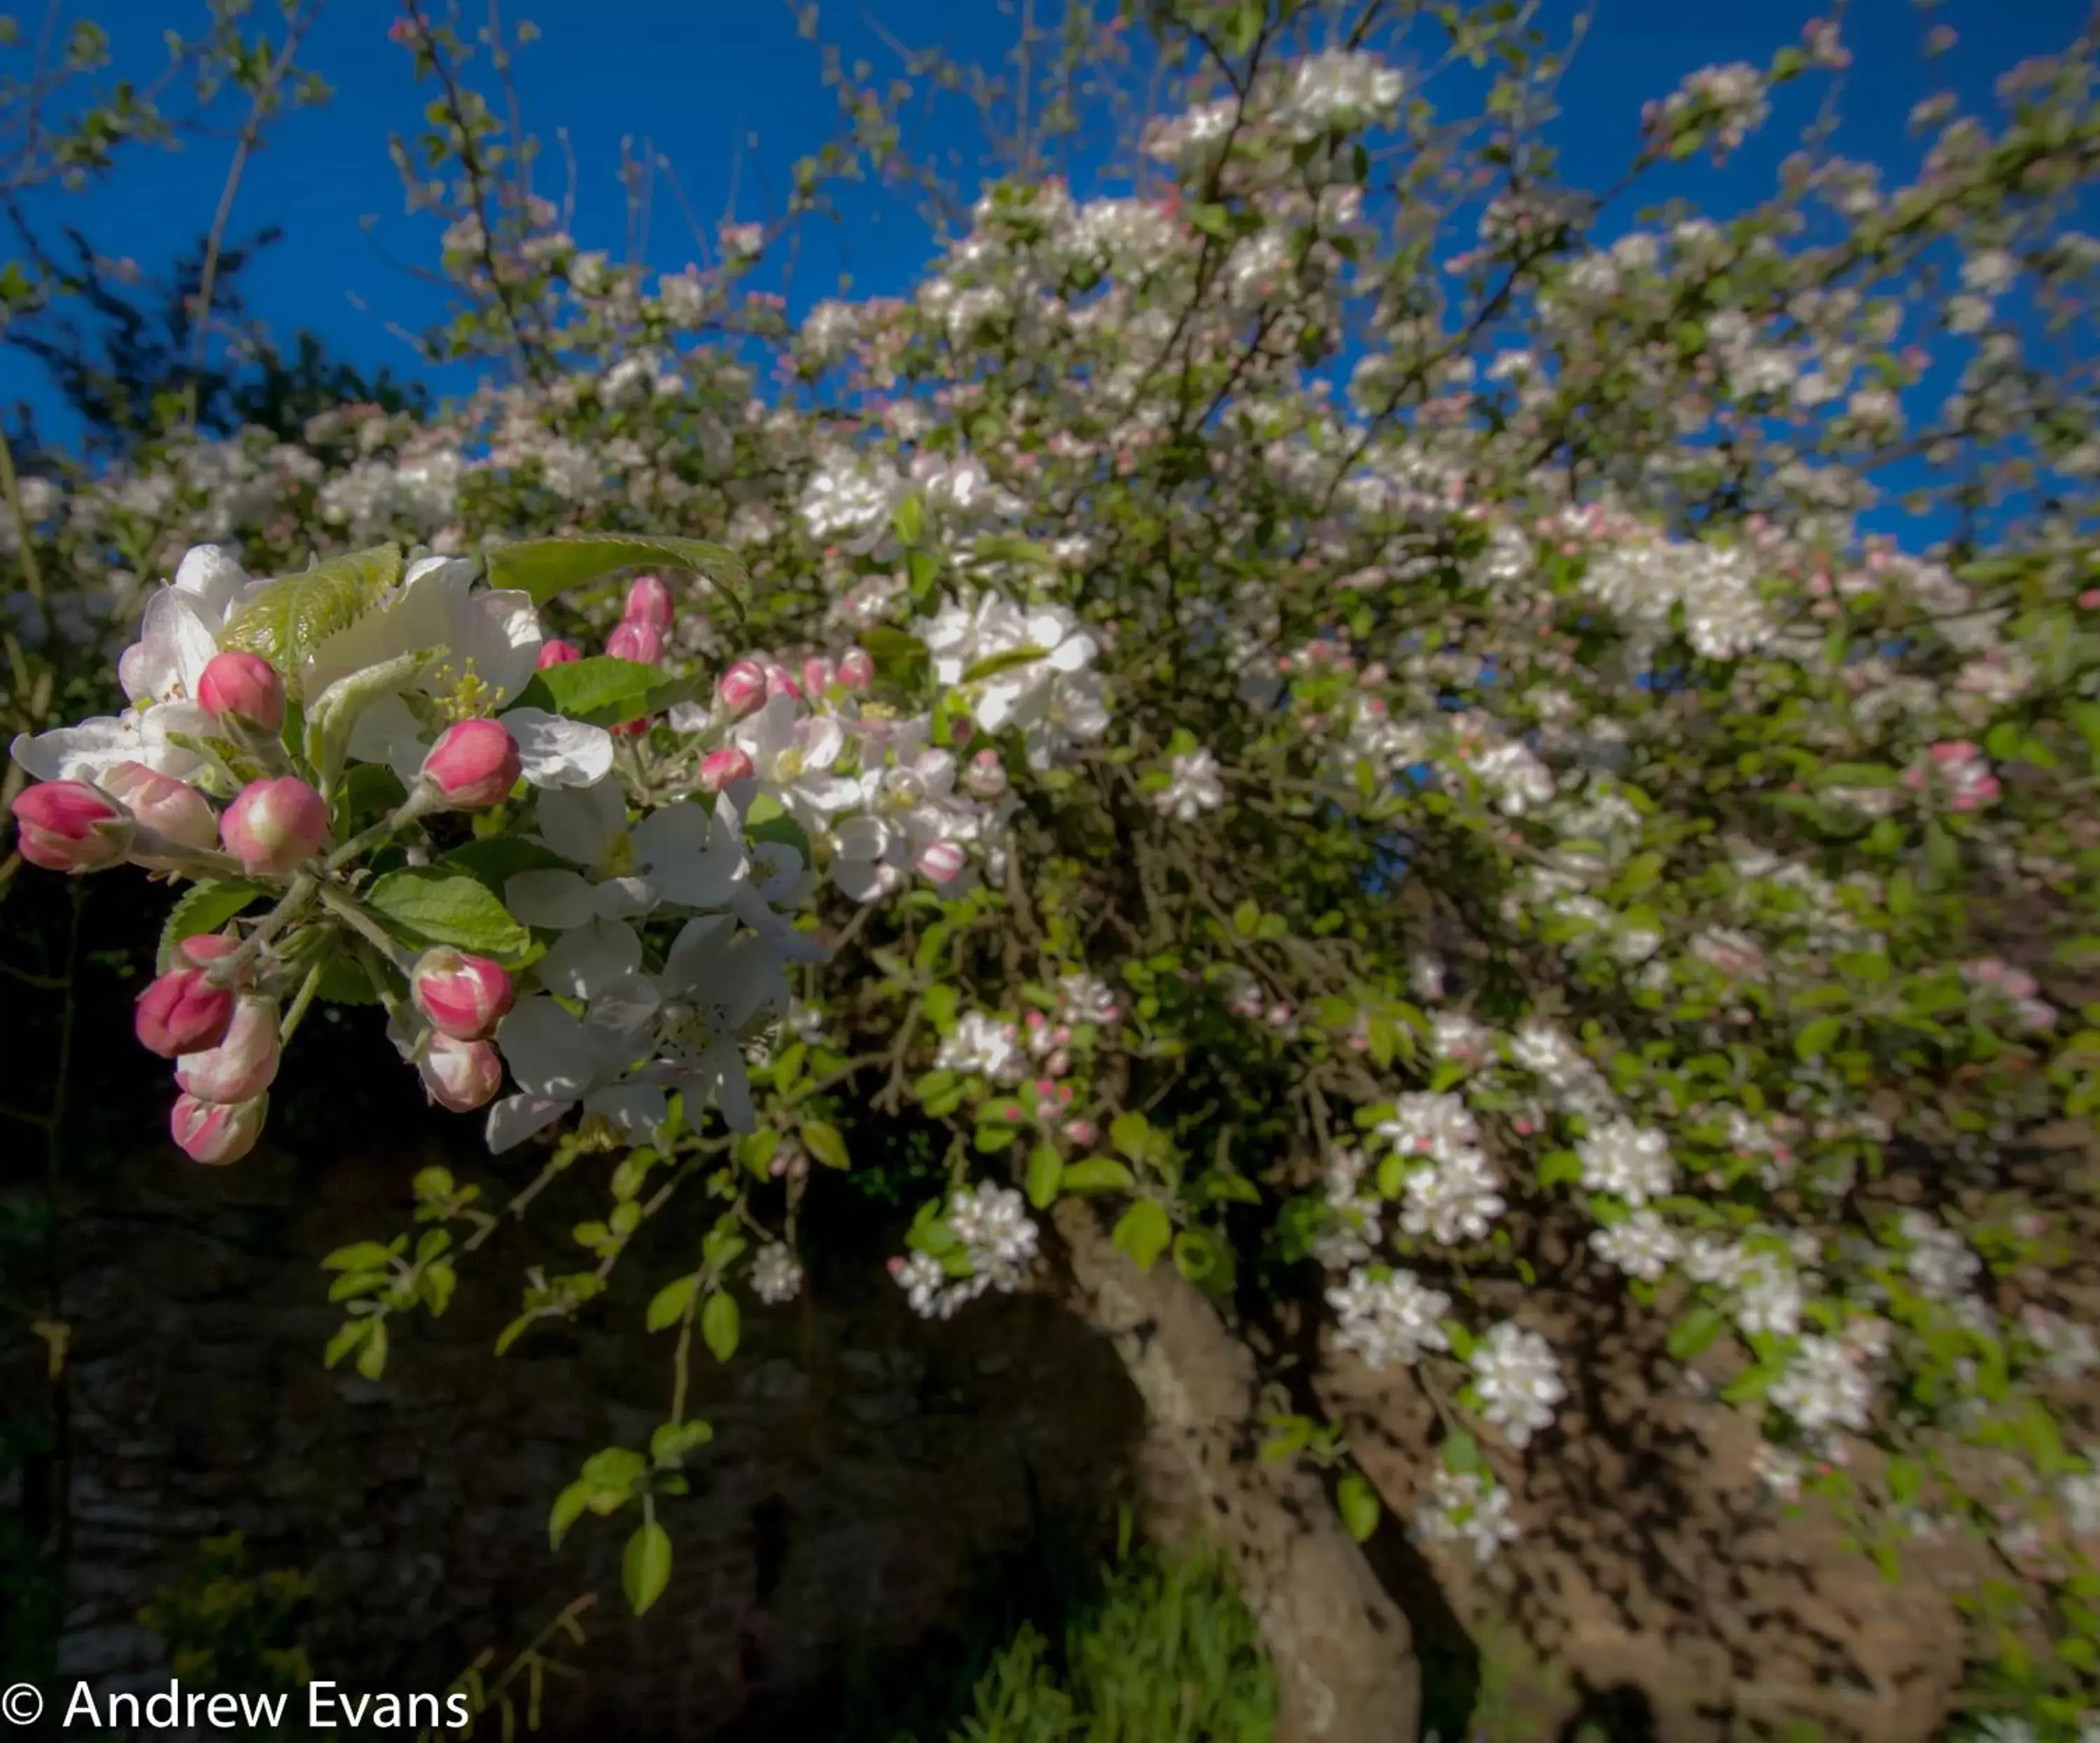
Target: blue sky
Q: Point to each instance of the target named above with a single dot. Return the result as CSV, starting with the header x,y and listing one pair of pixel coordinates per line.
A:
x,y
695,77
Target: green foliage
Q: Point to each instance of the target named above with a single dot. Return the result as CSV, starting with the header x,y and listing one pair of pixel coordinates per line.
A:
x,y
227,1630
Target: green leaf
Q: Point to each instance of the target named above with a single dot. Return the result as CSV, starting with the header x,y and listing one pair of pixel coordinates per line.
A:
x,y
1815,1040
348,1336
909,518
1695,1332
1143,1232
768,820
604,691
671,1441
1096,1174
496,859
204,907
1358,1504
544,567
334,713
569,1506
359,1256
1045,1168
823,1142
645,1568
1462,1454
372,1353
899,658
1129,1132
720,1324
1011,660
667,1307
288,618
1195,1254
427,905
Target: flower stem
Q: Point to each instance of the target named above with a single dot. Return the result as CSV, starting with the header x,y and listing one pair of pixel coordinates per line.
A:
x,y
419,803
348,909
228,969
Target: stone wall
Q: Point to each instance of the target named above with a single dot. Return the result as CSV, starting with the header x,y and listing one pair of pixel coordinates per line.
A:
x,y
863,1465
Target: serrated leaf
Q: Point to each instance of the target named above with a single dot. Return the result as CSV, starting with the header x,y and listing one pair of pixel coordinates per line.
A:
x,y
204,907
1097,1174
1045,1165
1129,1132
496,859
1144,1231
427,905
288,618
1012,660
645,1568
545,568
605,691
721,1324
569,1506
1358,1504
1695,1332
823,1142
667,1307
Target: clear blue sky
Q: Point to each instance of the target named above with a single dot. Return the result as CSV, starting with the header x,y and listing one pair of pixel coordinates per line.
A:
x,y
695,77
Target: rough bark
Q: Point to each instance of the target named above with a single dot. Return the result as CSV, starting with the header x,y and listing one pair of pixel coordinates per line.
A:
x,y
1343,1651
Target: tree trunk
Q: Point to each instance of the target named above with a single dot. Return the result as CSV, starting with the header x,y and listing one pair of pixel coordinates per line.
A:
x,y
1343,1653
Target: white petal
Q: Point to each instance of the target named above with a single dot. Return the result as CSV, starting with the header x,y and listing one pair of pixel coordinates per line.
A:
x,y
556,899
546,1050
636,1109
555,752
581,823
82,753
693,952
619,1010
685,862
500,633
732,1087
382,725
588,959
213,579
516,1118
623,897
863,838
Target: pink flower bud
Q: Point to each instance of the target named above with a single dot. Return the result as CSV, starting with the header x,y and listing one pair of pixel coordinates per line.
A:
x,y
460,1075
557,654
241,1065
475,764
723,768
986,776
182,1013
641,642
818,674
856,668
1080,1131
70,826
741,690
165,805
465,997
942,862
216,1132
246,685
780,682
649,602
275,826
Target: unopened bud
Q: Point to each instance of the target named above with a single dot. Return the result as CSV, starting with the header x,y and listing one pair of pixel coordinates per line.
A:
x,y
275,826
557,654
856,668
242,685
942,862
741,690
169,808
818,674
724,768
216,1132
986,776
243,1064
182,1013
649,602
464,997
641,642
70,826
460,1075
475,764
780,682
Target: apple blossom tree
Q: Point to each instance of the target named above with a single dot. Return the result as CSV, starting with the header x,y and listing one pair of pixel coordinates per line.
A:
x,y
1333,723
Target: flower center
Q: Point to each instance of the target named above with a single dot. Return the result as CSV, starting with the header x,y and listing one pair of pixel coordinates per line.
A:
x,y
618,859
463,694
788,765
